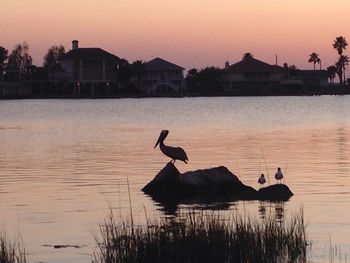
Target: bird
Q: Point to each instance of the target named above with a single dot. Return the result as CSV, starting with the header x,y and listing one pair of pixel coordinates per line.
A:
x,y
261,179
279,175
175,153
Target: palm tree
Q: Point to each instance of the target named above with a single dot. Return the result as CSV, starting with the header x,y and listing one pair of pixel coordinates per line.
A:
x,y
340,44
332,71
341,65
315,59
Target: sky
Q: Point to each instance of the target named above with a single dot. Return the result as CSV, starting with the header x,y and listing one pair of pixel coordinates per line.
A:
x,y
190,33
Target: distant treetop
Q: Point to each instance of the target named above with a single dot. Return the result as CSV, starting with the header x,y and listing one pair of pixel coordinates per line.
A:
x,y
247,56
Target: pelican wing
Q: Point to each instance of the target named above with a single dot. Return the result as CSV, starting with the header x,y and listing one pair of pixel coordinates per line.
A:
x,y
176,153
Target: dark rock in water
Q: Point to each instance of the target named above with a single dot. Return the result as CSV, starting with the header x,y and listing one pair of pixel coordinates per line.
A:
x,y
276,192
217,183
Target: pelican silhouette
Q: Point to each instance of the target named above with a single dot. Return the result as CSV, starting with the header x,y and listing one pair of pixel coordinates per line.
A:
x,y
262,179
175,153
279,175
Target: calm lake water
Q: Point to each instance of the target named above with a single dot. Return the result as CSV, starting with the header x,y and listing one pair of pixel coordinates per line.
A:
x,y
65,163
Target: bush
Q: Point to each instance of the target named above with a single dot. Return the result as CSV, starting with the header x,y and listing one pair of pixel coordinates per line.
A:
x,y
203,238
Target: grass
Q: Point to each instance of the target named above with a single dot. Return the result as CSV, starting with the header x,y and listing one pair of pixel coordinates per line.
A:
x,y
11,252
204,237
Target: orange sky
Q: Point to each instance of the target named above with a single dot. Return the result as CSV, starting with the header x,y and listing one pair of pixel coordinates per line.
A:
x,y
191,33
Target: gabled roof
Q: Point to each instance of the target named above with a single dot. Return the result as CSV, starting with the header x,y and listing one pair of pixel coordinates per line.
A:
x,y
161,64
252,65
88,53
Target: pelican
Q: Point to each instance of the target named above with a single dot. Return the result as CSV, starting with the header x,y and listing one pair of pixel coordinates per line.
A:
x,y
279,174
175,153
261,179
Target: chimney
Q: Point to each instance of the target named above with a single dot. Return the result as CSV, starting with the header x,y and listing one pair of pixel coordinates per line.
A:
x,y
227,65
75,44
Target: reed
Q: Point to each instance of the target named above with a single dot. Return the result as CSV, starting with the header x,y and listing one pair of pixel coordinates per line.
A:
x,y
11,252
204,237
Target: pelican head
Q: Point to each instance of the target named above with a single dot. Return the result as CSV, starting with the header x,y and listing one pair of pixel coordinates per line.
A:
x,y
162,136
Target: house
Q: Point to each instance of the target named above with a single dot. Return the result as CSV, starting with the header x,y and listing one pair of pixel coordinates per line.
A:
x,y
87,65
251,73
161,76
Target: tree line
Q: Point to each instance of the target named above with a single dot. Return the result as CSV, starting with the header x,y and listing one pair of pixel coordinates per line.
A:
x,y
206,79
19,58
128,74
338,68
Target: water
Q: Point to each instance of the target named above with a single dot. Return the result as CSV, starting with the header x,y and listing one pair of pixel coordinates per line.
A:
x,y
65,163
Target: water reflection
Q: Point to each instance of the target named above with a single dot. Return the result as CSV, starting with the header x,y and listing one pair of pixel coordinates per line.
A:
x,y
62,162
266,209
174,206
279,211
276,209
262,209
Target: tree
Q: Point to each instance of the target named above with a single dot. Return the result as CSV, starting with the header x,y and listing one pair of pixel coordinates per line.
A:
x,y
314,58
289,70
340,44
124,72
20,58
192,80
332,71
341,65
209,79
52,56
3,58
247,56
138,69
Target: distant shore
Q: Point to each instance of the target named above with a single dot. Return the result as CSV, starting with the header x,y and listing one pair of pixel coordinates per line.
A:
x,y
29,91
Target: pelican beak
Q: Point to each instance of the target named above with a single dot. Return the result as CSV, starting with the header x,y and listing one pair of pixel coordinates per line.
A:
x,y
157,143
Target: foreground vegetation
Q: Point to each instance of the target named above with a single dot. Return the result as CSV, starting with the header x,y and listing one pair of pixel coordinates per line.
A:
x,y
11,252
203,238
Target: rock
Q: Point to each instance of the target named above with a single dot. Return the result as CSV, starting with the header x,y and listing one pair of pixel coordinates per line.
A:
x,y
218,183
276,192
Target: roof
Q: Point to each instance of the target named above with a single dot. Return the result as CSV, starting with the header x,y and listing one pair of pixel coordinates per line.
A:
x,y
161,64
252,65
88,53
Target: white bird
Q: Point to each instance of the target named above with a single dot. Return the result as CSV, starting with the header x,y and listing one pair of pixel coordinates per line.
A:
x,y
279,175
261,179
175,153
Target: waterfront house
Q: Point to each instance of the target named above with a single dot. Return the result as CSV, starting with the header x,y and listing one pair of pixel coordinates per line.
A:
x,y
87,67
161,76
251,74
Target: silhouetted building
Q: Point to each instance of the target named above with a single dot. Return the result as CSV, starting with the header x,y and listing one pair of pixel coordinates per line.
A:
x,y
251,72
161,76
254,76
87,65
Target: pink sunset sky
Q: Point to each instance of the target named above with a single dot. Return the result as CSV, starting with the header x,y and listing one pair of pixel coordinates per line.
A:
x,y
190,33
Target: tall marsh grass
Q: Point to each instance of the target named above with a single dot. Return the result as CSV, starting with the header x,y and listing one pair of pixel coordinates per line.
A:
x,y
11,252
203,238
